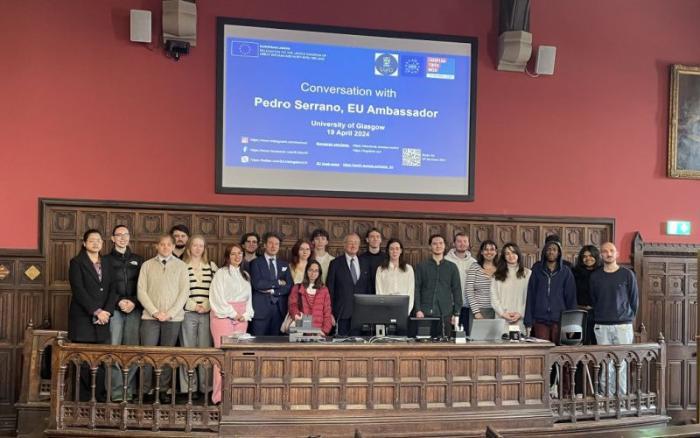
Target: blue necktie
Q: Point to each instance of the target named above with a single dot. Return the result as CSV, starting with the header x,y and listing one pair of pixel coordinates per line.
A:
x,y
273,271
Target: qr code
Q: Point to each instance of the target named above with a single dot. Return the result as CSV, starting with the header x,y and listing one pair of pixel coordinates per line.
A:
x,y
410,157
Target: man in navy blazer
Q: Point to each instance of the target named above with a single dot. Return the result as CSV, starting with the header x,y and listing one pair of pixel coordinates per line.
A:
x,y
344,284
271,280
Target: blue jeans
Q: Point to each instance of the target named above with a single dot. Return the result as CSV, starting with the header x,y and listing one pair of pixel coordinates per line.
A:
x,y
124,330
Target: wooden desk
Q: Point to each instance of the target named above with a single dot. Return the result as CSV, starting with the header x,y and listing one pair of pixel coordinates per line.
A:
x,y
274,388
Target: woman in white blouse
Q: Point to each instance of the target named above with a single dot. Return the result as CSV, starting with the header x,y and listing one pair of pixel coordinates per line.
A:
x,y
231,304
509,286
394,275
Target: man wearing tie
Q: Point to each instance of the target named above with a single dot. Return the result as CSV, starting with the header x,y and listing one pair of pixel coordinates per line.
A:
x,y
271,281
347,275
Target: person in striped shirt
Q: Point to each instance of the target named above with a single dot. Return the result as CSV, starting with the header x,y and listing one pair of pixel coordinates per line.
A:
x,y
479,275
195,330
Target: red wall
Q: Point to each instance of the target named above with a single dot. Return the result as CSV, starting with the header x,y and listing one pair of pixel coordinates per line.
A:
x,y
86,114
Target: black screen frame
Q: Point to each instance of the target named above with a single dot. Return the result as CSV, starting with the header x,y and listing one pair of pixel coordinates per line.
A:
x,y
380,309
221,22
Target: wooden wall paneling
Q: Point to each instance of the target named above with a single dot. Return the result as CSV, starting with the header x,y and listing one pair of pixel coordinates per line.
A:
x,y
389,230
62,223
480,232
207,225
288,229
7,297
505,233
59,302
151,224
232,228
93,219
259,224
173,218
667,275
61,252
123,218
29,307
411,234
338,229
22,290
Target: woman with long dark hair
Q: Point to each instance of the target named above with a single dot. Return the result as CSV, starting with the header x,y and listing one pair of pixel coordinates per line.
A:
x,y
509,286
479,275
588,261
230,297
301,253
311,297
92,304
394,275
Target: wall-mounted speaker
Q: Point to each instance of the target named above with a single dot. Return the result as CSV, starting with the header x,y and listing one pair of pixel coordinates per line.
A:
x,y
140,26
546,56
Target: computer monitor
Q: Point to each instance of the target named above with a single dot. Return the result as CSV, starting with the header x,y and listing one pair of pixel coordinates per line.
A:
x,y
377,315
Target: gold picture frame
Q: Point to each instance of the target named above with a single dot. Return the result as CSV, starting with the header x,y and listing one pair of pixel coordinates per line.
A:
x,y
684,122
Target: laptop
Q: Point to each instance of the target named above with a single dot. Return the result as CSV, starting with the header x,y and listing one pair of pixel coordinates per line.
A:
x,y
487,329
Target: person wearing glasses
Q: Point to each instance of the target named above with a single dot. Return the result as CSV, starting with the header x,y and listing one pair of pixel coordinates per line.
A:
x,y
311,297
126,320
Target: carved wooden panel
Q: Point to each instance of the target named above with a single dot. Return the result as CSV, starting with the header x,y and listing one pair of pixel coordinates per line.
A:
x,y
232,228
59,302
288,229
93,220
151,224
63,222
389,230
505,234
31,273
7,375
29,306
7,273
61,251
178,218
6,316
479,233
411,234
123,218
206,225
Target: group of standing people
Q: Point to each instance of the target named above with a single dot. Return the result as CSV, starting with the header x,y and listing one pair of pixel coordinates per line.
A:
x,y
181,296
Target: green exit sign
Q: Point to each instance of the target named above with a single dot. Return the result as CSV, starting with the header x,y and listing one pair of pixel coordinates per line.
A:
x,y
678,228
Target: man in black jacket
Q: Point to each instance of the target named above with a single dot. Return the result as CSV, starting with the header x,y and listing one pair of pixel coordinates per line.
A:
x,y
124,325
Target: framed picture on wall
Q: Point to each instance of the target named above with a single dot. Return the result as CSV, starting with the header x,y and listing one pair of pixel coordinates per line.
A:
x,y
684,122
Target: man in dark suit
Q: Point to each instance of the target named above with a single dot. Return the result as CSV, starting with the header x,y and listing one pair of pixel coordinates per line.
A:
x,y
271,280
347,275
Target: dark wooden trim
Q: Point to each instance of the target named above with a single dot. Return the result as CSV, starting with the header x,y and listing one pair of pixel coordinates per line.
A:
x,y
58,202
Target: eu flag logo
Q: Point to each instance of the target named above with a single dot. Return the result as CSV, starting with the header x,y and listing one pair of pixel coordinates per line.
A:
x,y
413,66
245,48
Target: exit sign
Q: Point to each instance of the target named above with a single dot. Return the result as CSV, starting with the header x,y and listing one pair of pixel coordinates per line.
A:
x,y
678,228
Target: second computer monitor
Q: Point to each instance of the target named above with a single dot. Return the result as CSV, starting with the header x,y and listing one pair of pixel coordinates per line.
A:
x,y
371,311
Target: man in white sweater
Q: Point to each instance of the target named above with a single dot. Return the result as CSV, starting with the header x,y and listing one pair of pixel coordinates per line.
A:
x,y
460,256
163,289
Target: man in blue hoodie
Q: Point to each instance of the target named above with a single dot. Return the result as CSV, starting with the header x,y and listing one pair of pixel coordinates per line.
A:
x,y
551,290
615,300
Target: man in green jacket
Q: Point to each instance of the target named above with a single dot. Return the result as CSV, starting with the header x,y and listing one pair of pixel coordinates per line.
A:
x,y
438,291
